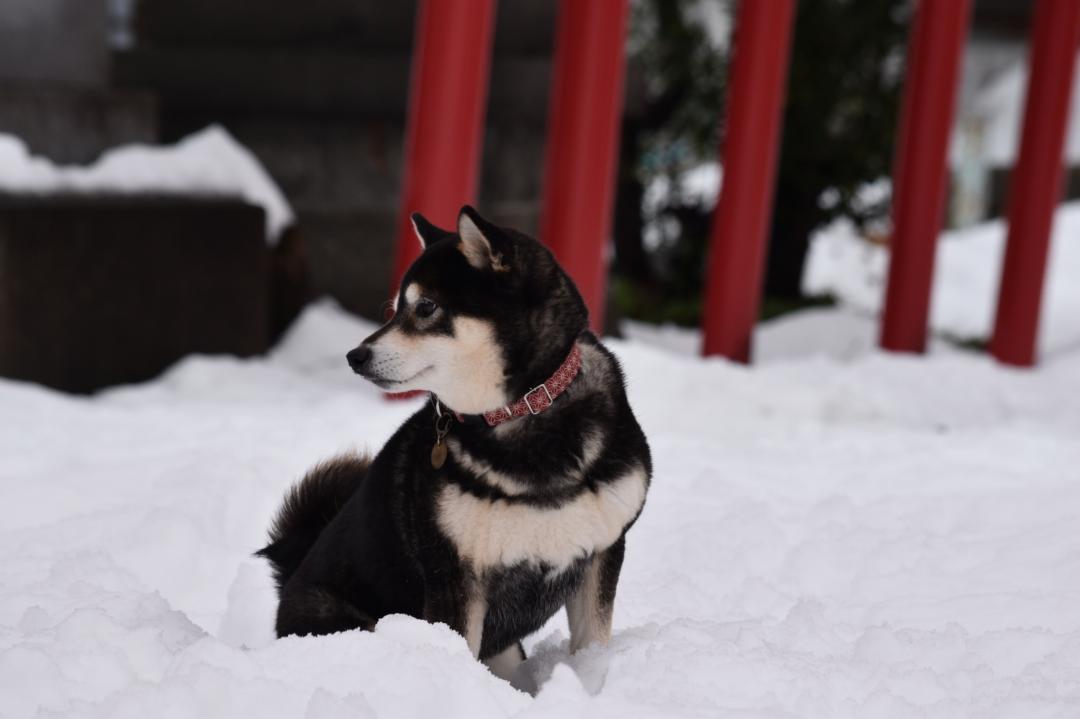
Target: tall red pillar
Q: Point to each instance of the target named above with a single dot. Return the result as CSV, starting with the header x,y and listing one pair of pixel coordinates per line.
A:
x,y
444,133
751,149
920,177
583,141
1035,187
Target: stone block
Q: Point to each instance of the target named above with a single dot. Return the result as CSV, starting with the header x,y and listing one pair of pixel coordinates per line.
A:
x,y
99,291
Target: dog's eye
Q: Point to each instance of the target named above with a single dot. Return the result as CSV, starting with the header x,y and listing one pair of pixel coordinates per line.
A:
x,y
425,308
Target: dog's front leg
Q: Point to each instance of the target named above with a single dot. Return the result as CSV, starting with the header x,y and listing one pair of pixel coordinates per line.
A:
x,y
461,606
590,607
473,630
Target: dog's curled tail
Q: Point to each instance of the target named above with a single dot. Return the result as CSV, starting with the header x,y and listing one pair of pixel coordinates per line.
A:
x,y
308,507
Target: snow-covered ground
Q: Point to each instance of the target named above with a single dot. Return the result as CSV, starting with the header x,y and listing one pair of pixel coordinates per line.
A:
x,y
207,163
844,265
967,273
886,536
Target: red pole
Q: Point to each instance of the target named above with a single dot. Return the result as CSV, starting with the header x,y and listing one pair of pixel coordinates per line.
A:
x,y
447,97
751,148
1035,187
583,140
919,171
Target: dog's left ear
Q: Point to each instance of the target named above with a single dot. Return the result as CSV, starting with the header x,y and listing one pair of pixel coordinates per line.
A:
x,y
482,243
425,231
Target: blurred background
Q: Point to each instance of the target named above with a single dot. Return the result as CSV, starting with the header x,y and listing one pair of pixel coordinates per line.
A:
x,y
201,212
280,127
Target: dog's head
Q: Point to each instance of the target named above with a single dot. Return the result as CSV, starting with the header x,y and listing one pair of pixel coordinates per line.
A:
x,y
479,317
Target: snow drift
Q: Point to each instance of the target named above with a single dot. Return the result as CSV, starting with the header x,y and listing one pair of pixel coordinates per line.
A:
x,y
884,537
967,272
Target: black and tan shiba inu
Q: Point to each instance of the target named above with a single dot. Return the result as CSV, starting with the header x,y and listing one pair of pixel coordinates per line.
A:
x,y
508,495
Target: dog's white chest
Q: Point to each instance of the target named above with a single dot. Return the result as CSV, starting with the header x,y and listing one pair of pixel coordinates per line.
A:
x,y
492,533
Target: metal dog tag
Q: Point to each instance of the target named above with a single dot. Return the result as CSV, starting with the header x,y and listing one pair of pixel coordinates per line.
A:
x,y
442,426
438,455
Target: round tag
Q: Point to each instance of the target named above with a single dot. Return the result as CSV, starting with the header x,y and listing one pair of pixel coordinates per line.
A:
x,y
438,455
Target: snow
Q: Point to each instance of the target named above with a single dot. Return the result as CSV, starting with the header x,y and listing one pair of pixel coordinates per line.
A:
x,y
999,110
967,273
207,163
882,536
694,185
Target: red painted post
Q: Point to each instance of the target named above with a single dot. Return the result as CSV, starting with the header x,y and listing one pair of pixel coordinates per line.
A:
x,y
582,142
447,97
920,174
1035,187
751,149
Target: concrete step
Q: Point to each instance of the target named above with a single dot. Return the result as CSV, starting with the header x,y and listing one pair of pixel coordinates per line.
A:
x,y
56,42
75,126
329,83
522,26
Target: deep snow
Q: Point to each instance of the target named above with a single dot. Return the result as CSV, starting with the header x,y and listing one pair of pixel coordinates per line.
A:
x,y
884,536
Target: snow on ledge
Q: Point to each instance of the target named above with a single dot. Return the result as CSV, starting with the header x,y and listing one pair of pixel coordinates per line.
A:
x,y
207,163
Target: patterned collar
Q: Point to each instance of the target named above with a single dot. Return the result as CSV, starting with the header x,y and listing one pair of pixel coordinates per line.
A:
x,y
536,400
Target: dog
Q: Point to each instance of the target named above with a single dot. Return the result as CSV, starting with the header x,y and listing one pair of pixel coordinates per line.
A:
x,y
506,497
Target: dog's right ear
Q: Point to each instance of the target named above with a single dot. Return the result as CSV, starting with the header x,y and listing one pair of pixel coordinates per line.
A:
x,y
425,231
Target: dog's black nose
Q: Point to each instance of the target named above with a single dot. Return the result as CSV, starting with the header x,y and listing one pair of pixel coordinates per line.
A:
x,y
359,357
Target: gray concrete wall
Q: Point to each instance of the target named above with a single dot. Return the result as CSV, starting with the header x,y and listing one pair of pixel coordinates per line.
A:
x,y
54,42
76,126
55,82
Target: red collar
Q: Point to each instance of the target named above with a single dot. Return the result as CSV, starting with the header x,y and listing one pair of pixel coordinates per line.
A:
x,y
535,400
541,396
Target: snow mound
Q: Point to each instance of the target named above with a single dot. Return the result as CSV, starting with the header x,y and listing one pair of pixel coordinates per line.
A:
x,y
208,163
967,272
886,536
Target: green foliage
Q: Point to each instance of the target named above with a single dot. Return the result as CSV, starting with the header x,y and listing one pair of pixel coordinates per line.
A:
x,y
842,103
684,79
683,73
839,121
839,124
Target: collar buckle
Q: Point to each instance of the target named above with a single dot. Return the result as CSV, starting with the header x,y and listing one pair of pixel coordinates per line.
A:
x,y
539,399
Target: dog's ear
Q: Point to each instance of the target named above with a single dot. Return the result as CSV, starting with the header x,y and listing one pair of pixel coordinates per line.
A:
x,y
425,231
482,243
